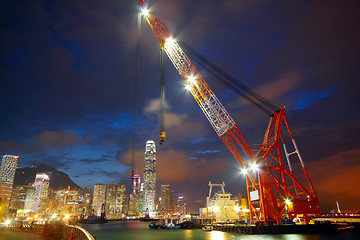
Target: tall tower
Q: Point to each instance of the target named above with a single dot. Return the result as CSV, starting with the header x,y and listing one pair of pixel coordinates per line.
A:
x,y
98,198
41,185
29,200
111,195
167,199
150,178
7,173
19,197
181,206
136,182
120,200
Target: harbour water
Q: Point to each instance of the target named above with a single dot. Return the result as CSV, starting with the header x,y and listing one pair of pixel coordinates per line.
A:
x,y
135,230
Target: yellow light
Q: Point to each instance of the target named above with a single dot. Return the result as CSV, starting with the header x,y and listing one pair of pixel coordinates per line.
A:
x,y
53,216
7,222
246,210
67,216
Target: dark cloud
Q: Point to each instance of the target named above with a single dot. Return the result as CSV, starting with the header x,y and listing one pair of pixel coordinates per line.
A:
x,y
67,84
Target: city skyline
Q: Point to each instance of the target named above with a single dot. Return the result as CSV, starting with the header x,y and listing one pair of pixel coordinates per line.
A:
x,y
68,73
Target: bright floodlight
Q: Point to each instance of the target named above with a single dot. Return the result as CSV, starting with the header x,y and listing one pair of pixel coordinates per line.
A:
x,y
192,79
244,171
254,167
188,87
145,11
170,41
287,201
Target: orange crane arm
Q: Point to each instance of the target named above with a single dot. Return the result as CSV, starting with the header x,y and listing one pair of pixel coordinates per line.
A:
x,y
215,112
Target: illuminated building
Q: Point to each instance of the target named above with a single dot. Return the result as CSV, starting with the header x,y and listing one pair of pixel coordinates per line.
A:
x,y
139,202
68,202
136,197
180,206
99,197
150,178
41,185
7,173
18,200
132,199
136,183
110,206
120,200
29,200
167,199
85,198
115,201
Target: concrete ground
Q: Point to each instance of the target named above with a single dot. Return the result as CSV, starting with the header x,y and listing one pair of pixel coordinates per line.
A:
x,y
10,235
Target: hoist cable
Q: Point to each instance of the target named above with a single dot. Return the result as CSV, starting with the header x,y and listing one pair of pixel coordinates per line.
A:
x,y
135,93
250,95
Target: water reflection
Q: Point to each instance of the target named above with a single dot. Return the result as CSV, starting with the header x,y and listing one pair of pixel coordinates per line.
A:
x,y
217,235
188,234
134,230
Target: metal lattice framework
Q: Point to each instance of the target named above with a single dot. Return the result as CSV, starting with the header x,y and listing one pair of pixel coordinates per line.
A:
x,y
272,189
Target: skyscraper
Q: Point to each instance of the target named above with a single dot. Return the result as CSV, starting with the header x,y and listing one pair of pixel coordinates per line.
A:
x,y
7,173
86,198
29,200
110,206
181,206
98,198
18,200
120,200
41,185
136,182
150,178
115,201
167,199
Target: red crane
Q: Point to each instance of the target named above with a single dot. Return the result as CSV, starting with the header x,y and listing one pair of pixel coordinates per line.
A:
x,y
272,188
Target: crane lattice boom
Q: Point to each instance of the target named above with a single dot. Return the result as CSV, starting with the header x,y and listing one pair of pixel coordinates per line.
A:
x,y
272,189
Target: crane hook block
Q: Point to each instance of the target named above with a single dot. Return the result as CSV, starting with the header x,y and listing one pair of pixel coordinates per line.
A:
x,y
162,137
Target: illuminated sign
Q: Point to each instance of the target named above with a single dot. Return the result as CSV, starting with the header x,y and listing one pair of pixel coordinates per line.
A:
x,y
254,195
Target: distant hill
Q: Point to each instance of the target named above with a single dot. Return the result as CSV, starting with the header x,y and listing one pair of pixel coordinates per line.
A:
x,y
58,180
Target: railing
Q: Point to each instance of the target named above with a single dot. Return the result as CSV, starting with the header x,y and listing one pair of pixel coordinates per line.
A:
x,y
55,231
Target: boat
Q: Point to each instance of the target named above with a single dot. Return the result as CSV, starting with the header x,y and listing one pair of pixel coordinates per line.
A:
x,y
171,226
154,225
207,228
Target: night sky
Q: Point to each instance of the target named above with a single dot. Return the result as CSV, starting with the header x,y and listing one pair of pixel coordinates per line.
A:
x,y
68,75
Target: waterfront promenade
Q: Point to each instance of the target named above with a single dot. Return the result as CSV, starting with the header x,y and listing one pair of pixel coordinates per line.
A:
x,y
47,232
11,235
